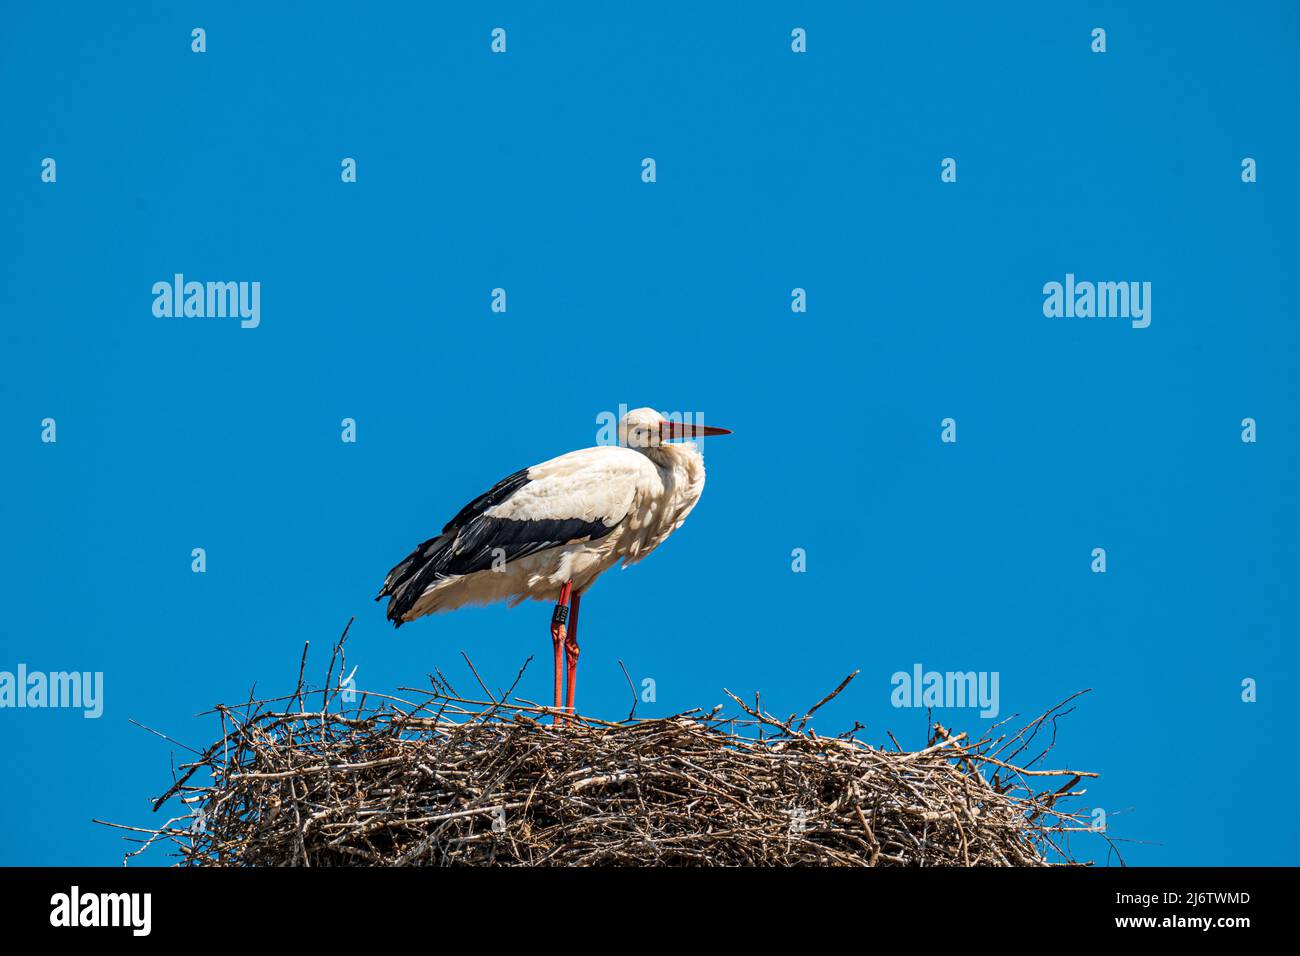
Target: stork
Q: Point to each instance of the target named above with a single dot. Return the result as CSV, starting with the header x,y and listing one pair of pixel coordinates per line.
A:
x,y
547,532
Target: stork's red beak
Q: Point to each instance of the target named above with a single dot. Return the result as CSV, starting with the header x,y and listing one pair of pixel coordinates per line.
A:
x,y
670,430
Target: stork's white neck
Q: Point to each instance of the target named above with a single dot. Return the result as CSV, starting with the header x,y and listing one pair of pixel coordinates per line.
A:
x,y
680,456
664,496
682,468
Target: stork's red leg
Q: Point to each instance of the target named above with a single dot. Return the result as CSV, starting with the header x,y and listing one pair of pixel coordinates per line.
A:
x,y
571,649
558,633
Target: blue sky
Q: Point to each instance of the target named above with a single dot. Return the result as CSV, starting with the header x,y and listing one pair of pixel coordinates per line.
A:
x,y
774,171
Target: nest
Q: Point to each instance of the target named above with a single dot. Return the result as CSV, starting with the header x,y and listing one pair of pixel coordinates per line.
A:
x,y
326,778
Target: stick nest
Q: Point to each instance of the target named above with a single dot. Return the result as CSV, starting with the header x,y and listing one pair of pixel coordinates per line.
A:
x,y
334,777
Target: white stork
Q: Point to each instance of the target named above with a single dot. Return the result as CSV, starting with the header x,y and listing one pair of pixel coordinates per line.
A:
x,y
547,532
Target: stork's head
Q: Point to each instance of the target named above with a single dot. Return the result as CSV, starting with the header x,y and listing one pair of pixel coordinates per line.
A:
x,y
646,428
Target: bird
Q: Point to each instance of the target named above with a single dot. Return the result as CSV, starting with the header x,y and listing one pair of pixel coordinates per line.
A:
x,y
546,533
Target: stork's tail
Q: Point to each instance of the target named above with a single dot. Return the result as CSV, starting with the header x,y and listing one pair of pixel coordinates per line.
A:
x,y
408,580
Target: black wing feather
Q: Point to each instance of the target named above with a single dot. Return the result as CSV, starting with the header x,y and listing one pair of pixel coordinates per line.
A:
x,y
499,492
